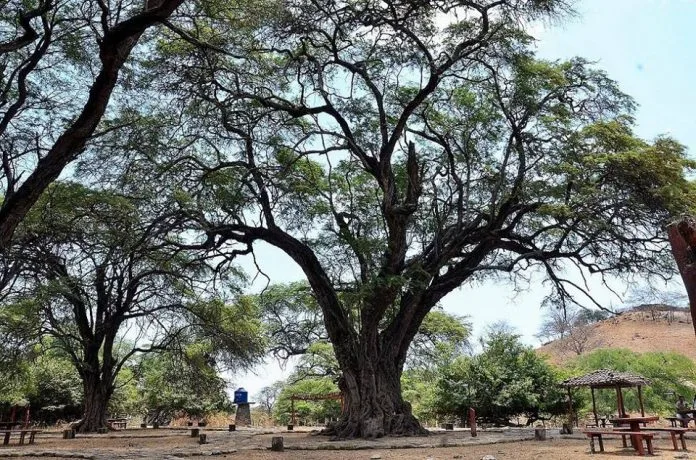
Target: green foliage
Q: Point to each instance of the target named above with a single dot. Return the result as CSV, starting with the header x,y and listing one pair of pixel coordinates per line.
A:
x,y
307,412
170,383
46,379
670,374
505,380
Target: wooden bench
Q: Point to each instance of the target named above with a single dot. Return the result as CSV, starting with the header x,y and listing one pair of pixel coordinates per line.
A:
x,y
683,422
637,436
674,432
22,435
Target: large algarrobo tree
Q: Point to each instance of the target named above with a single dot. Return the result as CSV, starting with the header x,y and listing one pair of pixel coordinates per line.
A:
x,y
399,150
103,276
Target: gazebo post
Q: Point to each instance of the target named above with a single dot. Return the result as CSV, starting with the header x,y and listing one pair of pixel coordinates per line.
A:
x,y
640,400
594,408
571,416
619,401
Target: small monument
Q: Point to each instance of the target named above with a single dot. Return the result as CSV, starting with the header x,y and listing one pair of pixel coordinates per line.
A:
x,y
243,414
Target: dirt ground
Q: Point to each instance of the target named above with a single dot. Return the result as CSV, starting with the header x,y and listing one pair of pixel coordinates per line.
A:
x,y
170,445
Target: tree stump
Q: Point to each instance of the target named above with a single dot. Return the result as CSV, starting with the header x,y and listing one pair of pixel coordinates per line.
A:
x,y
233,427
195,432
203,439
540,433
277,443
69,434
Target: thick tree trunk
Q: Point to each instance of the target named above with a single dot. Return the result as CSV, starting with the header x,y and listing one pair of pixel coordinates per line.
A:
x,y
97,396
373,406
682,238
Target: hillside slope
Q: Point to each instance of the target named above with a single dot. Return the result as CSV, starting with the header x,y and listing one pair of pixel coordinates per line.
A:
x,y
646,328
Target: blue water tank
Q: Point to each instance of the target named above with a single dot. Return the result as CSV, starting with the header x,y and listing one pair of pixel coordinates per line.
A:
x,y
241,396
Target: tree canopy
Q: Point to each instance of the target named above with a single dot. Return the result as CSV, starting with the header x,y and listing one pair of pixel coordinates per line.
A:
x,y
507,379
395,150
97,266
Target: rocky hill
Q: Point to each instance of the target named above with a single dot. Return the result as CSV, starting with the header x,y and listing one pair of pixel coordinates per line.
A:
x,y
640,329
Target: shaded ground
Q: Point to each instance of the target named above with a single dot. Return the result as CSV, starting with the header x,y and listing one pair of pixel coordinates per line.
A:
x,y
252,445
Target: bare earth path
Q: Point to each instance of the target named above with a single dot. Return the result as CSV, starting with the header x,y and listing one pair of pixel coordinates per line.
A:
x,y
170,444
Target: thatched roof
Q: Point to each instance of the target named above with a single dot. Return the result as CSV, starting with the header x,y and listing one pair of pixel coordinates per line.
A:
x,y
606,378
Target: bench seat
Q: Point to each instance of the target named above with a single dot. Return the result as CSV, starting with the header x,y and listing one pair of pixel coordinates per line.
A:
x,y
637,436
674,432
22,435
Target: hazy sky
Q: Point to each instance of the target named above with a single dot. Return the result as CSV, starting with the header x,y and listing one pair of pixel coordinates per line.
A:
x,y
649,47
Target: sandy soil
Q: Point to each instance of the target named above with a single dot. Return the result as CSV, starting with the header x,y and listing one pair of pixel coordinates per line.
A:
x,y
251,447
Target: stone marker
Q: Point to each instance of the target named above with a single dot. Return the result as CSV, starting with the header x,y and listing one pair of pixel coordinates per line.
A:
x,y
277,443
195,432
540,433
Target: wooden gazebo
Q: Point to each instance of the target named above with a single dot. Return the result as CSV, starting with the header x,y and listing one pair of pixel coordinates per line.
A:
x,y
607,378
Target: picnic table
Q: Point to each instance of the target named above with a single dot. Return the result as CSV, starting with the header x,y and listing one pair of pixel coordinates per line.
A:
x,y
119,423
634,423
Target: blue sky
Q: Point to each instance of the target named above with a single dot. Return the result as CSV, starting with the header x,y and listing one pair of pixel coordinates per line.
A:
x,y
649,47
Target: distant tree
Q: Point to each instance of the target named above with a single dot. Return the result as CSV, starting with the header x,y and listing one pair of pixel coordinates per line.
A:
x,y
571,327
505,380
180,383
97,264
268,396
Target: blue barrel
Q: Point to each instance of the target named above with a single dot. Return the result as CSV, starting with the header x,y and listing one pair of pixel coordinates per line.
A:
x,y
241,396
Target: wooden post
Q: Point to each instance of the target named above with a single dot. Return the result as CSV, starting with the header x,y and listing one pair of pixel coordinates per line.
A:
x,y
594,408
277,444
619,402
472,421
203,439
26,416
14,414
571,416
292,409
640,401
